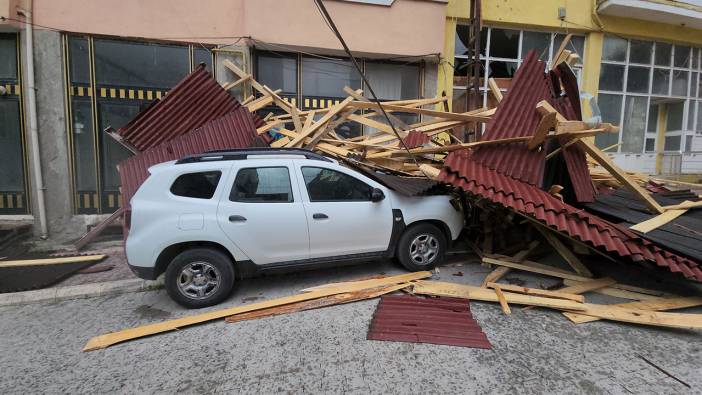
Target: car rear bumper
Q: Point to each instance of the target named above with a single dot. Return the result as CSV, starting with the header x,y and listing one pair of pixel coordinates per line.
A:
x,y
147,273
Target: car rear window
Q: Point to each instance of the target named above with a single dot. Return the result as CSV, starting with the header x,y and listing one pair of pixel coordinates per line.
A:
x,y
262,185
200,185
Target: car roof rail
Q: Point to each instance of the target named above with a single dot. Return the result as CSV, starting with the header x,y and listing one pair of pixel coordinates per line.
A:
x,y
243,153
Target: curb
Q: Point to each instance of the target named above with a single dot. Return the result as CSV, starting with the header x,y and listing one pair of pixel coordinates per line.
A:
x,y
80,291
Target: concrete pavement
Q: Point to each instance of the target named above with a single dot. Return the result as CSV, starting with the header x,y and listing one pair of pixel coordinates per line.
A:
x,y
325,351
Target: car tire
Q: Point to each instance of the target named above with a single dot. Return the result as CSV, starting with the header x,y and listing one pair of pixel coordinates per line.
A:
x,y
421,247
199,277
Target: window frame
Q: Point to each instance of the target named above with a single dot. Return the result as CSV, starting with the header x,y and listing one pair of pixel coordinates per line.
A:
x,y
236,177
689,99
309,196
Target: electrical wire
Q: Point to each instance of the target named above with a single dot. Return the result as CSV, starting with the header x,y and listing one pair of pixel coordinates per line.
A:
x,y
330,22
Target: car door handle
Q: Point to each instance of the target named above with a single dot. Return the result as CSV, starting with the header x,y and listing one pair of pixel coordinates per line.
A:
x,y
319,216
237,218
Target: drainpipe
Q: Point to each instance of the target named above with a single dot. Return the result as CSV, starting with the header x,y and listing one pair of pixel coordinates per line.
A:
x,y
32,115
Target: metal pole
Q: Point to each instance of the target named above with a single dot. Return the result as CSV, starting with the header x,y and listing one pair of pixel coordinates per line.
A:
x,y
32,115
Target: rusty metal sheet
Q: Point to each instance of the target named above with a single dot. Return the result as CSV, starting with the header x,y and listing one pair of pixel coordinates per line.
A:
x,y
407,318
234,130
195,100
529,200
416,139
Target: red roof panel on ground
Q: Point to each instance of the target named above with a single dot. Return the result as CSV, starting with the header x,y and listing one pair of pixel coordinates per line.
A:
x,y
407,318
479,180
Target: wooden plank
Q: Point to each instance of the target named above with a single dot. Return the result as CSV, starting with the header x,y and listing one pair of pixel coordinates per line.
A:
x,y
631,292
495,89
317,303
658,304
322,121
109,339
282,142
99,228
421,111
535,268
564,251
502,271
657,221
545,125
501,299
588,286
52,261
607,312
684,205
538,292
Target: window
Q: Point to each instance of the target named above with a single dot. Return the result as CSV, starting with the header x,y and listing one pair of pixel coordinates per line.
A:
x,y
13,181
502,52
325,185
262,185
109,82
327,78
278,72
643,75
200,185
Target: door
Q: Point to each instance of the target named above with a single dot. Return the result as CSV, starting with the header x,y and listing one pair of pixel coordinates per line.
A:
x,y
263,214
341,216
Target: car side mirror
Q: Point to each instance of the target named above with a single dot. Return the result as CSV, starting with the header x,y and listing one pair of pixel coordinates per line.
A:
x,y
377,195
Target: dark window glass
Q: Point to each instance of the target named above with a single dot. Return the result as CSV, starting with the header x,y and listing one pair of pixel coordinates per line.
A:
x,y
504,43
611,77
327,78
393,81
634,125
278,72
115,115
680,82
202,55
83,145
672,143
661,81
637,80
80,63
12,169
674,121
262,185
663,54
325,185
650,145
688,143
196,185
499,69
614,49
640,51
147,65
461,46
611,109
460,67
682,56
8,56
652,119
536,41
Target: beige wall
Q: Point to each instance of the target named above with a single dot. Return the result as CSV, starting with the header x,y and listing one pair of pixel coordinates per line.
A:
x,y
408,27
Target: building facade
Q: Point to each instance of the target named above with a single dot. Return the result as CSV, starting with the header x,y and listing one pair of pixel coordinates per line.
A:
x,y
641,60
96,65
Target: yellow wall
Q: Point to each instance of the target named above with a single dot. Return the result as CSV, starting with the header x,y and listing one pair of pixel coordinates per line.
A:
x,y
543,15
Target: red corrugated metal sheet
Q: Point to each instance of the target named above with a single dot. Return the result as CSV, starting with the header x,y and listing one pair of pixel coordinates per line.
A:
x,y
534,202
406,318
195,100
234,130
416,139
516,116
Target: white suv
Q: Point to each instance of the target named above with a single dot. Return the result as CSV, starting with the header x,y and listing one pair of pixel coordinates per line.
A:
x,y
207,219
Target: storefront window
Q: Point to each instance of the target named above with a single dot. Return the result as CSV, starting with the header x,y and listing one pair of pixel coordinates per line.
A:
x,y
13,196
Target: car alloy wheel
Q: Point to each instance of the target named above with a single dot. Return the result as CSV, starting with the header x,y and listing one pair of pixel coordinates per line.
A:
x,y
199,280
424,249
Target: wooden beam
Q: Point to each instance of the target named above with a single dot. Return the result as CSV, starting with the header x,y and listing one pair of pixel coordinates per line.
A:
x,y
658,304
588,286
657,221
501,299
109,339
52,261
322,121
421,111
495,89
564,251
502,271
546,123
538,292
607,312
534,267
684,205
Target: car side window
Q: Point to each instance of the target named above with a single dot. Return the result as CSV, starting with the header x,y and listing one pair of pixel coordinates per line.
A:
x,y
326,185
262,185
200,185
